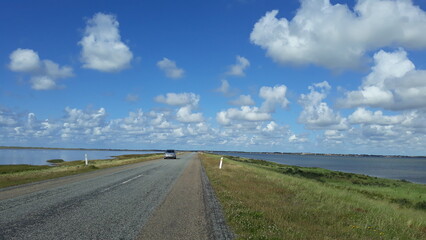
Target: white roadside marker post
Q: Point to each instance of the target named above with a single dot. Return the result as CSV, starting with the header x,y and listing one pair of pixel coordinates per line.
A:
x,y
85,158
220,164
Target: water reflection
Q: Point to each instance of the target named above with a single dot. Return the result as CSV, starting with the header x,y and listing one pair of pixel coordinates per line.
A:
x,y
411,169
40,156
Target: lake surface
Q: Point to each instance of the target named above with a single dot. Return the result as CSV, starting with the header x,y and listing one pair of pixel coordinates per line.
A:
x,y
40,156
411,169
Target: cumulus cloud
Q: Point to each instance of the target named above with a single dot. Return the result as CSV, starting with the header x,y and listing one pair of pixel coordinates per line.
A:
x,y
245,113
238,68
393,84
170,69
77,118
24,60
184,114
243,100
102,48
364,116
335,37
297,138
316,114
43,73
158,129
178,99
160,120
273,96
246,128
187,102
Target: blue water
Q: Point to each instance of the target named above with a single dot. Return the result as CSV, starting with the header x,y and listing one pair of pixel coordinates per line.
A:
x,y
411,169
40,156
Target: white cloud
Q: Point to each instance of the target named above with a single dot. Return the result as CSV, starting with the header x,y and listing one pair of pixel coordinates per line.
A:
x,y
24,60
297,139
245,128
79,119
379,132
335,37
187,103
170,69
224,87
393,84
243,100
249,135
364,116
160,120
238,68
245,113
134,124
317,114
334,137
7,118
178,99
273,96
271,127
43,73
43,83
184,114
103,49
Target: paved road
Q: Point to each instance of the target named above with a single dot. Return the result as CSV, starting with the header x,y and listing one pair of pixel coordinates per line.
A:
x,y
118,203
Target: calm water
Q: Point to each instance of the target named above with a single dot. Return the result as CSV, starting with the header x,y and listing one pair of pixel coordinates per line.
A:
x,y
411,169
39,156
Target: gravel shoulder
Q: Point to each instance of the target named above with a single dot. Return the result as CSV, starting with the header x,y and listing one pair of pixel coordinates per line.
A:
x,y
181,215
190,211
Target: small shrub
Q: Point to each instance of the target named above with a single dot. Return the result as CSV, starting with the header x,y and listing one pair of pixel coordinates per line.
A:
x,y
92,167
420,205
55,161
403,202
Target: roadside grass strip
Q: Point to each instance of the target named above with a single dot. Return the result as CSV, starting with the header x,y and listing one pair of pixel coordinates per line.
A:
x,y
265,200
12,175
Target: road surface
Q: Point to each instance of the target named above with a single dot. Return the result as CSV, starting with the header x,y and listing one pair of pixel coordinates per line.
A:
x,y
160,199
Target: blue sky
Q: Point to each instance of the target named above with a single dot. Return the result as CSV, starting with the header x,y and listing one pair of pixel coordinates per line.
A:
x,y
289,76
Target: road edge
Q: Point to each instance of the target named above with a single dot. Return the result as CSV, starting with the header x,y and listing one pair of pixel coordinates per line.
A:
x,y
217,226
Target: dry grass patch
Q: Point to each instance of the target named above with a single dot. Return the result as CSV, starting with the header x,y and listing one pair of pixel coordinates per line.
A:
x,y
262,203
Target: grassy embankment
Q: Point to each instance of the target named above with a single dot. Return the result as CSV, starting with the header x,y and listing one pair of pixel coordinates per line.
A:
x,y
11,175
265,200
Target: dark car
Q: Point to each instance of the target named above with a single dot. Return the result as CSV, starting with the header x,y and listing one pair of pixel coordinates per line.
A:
x,y
170,154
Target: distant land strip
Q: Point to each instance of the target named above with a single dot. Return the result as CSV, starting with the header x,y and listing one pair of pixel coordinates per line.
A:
x,y
87,149
270,153
321,154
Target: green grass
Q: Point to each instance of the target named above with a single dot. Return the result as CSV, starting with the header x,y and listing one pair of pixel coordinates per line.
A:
x,y
264,200
7,169
12,175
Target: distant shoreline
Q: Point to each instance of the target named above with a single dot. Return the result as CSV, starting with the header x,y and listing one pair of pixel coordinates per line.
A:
x,y
323,154
270,153
86,149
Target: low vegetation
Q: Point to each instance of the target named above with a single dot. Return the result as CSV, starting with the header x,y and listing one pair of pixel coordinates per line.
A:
x,y
55,161
11,175
265,200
